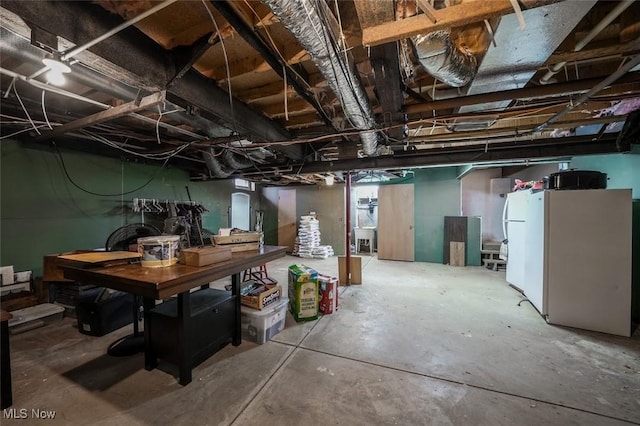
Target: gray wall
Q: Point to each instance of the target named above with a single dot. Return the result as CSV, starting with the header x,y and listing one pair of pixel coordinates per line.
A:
x,y
42,212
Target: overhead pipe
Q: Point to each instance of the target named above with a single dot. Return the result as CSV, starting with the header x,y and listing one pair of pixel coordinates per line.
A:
x,y
633,61
306,21
13,45
126,24
620,7
147,65
524,93
451,64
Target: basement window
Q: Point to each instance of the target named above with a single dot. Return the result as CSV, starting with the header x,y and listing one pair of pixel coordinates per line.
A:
x,y
245,184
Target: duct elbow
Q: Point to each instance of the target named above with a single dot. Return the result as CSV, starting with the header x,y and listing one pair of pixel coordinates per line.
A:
x,y
216,168
440,57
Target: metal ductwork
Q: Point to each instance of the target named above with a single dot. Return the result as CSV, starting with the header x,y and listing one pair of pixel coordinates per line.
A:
x,y
440,57
216,168
314,26
235,161
230,162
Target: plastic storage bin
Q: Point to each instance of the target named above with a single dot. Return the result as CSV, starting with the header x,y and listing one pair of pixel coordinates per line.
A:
x,y
261,325
100,318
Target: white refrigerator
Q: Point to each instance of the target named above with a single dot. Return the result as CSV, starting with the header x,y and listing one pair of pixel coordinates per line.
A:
x,y
577,257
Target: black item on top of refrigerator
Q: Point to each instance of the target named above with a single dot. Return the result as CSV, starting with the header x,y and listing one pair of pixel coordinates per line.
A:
x,y
576,179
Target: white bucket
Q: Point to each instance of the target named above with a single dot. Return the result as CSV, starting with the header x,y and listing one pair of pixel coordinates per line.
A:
x,y
159,251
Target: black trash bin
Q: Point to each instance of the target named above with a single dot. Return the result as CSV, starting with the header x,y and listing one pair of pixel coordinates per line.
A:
x,y
98,315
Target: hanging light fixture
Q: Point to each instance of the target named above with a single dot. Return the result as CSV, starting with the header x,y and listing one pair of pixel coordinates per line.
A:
x,y
57,69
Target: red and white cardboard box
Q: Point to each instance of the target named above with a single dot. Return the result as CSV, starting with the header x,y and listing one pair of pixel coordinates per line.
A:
x,y
328,289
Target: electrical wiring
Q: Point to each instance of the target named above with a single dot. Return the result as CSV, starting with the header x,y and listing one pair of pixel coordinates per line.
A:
x,y
332,44
44,111
25,109
274,46
66,173
21,131
226,64
158,125
166,155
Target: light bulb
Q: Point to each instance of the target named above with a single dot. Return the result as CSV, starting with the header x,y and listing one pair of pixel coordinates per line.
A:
x,y
56,65
56,78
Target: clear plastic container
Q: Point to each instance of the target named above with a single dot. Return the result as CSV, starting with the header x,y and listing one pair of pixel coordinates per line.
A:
x,y
261,325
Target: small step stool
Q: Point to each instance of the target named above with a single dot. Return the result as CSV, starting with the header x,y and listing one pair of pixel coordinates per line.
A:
x,y
258,274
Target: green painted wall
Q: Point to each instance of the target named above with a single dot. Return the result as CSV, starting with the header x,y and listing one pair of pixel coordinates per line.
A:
x,y
635,269
437,194
473,254
42,212
623,170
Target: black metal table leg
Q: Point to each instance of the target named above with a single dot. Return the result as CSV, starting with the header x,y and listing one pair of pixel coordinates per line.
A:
x,y
133,343
6,395
150,359
184,328
235,291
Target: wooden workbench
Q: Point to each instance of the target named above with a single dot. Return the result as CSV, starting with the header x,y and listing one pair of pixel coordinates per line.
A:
x,y
162,283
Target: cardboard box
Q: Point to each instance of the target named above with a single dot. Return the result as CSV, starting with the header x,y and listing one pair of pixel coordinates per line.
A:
x,y
236,247
328,290
356,270
303,292
268,297
202,256
245,237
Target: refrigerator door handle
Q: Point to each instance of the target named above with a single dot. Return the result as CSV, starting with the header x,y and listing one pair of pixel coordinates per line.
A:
x,y
504,218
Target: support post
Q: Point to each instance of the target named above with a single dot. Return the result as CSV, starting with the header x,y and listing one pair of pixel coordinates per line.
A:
x,y
347,209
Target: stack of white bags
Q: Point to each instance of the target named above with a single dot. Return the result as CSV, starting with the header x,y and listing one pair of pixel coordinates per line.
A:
x,y
308,240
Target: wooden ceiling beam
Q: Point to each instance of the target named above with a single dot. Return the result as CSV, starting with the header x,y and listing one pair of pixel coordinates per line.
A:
x,y
102,116
449,17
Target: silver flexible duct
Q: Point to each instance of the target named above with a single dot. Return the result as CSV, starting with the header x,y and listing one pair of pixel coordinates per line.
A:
x,y
235,161
218,169
440,57
313,25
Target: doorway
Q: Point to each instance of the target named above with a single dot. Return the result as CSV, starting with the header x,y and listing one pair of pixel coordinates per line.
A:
x,y
241,211
287,218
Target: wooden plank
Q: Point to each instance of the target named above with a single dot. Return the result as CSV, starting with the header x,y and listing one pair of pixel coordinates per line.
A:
x,y
287,218
450,17
110,114
356,270
455,229
95,257
396,233
428,10
456,253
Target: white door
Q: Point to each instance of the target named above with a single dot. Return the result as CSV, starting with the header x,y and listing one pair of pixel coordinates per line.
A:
x,y
240,211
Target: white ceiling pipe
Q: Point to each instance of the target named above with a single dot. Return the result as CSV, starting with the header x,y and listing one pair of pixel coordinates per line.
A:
x,y
62,92
116,30
621,7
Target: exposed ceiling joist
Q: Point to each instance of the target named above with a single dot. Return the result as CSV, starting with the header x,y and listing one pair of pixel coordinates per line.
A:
x,y
102,116
450,17
525,93
138,60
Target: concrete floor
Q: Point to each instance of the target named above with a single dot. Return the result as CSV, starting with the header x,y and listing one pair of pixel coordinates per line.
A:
x,y
416,344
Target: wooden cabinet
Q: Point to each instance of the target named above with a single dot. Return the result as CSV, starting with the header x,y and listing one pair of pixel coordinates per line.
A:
x,y
211,325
